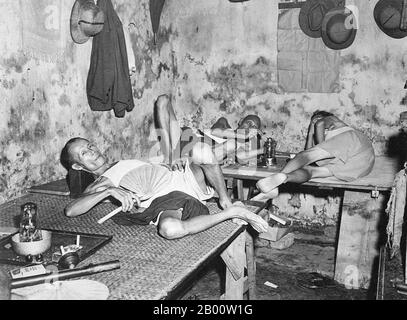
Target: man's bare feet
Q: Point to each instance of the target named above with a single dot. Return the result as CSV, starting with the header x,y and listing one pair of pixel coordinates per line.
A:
x,y
239,221
266,196
257,222
266,185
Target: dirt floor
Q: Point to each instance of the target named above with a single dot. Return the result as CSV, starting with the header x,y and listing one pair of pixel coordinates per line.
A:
x,y
309,253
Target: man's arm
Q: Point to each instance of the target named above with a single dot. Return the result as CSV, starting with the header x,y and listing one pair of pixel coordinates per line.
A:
x,y
310,137
319,131
97,192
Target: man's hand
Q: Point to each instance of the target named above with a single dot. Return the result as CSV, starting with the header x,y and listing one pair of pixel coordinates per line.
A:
x,y
126,198
179,164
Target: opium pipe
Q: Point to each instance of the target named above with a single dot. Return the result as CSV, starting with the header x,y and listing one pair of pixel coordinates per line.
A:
x,y
65,274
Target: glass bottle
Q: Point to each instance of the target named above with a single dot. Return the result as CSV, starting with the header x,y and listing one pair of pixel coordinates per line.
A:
x,y
270,152
29,225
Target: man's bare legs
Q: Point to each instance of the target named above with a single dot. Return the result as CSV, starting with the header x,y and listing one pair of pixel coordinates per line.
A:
x,y
203,156
170,225
201,153
297,170
168,126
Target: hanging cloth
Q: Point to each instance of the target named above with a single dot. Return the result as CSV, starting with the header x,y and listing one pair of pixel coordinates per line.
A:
x,y
156,7
395,210
108,84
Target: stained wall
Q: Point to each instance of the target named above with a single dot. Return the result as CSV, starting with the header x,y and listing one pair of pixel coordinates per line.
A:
x,y
215,58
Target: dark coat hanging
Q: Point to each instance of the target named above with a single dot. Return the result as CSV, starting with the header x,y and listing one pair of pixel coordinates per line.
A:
x,y
108,84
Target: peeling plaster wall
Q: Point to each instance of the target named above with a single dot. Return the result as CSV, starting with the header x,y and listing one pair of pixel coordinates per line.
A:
x,y
215,58
44,99
226,58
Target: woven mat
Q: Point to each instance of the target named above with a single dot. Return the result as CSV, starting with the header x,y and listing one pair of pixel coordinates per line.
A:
x,y
150,266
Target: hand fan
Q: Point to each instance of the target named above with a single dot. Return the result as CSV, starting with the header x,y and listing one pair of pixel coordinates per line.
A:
x,y
147,180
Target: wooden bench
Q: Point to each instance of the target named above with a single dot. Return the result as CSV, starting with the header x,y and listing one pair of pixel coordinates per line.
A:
x,y
364,202
152,267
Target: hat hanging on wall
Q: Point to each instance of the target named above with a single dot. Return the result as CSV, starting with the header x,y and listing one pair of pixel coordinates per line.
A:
x,y
403,116
156,7
388,15
338,31
312,13
87,20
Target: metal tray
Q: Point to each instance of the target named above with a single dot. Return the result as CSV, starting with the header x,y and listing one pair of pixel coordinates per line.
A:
x,y
90,244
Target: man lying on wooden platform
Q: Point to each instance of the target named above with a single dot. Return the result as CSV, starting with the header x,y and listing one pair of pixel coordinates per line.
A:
x,y
225,142
138,182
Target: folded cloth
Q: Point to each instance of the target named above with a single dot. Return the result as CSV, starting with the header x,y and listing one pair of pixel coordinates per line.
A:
x,y
353,153
175,200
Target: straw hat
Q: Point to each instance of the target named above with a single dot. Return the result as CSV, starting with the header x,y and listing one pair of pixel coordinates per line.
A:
x,y
403,116
336,34
387,14
87,20
312,13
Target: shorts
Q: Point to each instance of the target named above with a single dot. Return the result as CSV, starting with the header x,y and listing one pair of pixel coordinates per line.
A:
x,y
353,155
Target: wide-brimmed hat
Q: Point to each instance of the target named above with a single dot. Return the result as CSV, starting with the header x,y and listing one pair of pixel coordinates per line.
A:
x,y
387,14
312,13
87,20
221,123
403,116
339,28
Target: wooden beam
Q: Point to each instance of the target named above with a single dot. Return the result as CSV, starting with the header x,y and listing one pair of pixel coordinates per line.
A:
x,y
251,267
235,259
240,194
229,186
358,239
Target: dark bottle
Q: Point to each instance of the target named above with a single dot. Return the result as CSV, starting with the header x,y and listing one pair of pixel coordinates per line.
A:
x,y
270,151
29,225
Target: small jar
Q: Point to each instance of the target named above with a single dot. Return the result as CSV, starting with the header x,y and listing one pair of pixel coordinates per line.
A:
x,y
29,225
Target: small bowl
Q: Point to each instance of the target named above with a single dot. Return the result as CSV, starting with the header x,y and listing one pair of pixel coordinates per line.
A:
x,y
34,247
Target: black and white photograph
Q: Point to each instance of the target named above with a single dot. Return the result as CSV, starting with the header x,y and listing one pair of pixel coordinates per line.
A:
x,y
207,157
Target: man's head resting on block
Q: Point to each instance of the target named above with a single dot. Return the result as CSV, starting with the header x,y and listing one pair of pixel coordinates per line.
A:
x,y
80,154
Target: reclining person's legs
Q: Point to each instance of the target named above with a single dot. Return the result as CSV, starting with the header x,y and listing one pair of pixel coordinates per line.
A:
x,y
201,153
203,156
298,176
169,129
170,225
297,170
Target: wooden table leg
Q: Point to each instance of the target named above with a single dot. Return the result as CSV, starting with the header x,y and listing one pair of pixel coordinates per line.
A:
x,y
240,193
358,238
251,266
229,186
234,257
